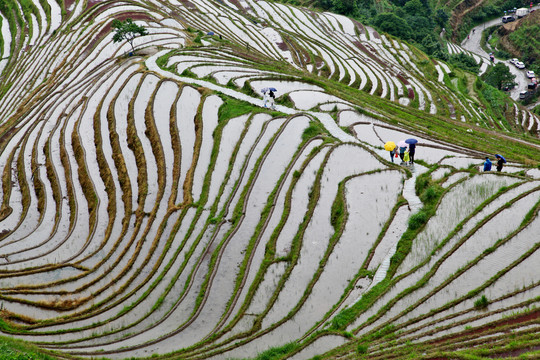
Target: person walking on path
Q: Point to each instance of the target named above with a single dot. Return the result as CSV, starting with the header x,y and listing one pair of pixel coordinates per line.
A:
x,y
265,99
406,157
500,163
412,150
393,153
487,164
272,99
402,152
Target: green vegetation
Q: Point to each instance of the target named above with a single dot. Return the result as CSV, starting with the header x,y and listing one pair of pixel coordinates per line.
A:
x,y
481,303
127,31
464,61
11,349
498,75
277,352
232,108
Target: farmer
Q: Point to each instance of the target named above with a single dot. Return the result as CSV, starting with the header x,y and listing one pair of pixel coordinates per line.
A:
x,y
500,163
272,98
487,164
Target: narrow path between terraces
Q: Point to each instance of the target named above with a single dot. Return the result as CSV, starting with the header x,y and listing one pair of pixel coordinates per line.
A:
x,y
409,192
325,119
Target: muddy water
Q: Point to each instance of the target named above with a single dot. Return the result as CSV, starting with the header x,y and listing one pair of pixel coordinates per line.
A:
x,y
283,87
163,102
271,129
390,239
495,229
456,205
320,346
454,178
349,117
366,134
318,232
229,139
306,99
460,162
186,109
146,89
274,221
440,173
517,278
247,144
299,204
273,166
370,199
209,123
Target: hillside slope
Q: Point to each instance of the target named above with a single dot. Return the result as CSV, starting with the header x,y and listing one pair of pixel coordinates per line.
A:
x,y
152,206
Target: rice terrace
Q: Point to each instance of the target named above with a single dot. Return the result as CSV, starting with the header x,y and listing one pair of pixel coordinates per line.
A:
x,y
152,207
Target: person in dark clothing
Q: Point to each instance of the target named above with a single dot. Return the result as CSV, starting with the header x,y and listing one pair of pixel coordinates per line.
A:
x,y
500,163
487,164
412,150
272,100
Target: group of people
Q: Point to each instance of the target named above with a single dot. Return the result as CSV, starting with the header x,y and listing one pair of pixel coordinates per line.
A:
x,y
269,97
488,163
405,153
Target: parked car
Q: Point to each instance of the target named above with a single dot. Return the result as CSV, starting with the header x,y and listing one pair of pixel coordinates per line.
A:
x,y
532,86
508,18
519,65
513,61
530,74
523,95
508,86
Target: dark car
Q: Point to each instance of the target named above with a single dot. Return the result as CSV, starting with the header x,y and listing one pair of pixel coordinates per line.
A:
x,y
508,86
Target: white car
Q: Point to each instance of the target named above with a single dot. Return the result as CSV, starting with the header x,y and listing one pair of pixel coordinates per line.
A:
x,y
520,65
513,61
530,74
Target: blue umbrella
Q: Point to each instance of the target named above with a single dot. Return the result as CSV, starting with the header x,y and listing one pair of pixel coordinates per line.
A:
x,y
501,157
272,89
210,33
411,141
264,90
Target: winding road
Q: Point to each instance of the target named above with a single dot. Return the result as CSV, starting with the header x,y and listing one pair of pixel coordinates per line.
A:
x,y
472,44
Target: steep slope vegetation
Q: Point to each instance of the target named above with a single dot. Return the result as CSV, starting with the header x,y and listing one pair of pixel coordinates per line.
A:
x,y
151,206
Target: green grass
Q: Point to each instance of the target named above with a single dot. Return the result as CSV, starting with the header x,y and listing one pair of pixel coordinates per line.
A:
x,y
11,349
232,108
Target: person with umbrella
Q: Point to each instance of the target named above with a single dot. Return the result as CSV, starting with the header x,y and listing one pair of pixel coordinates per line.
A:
x,y
391,146
272,97
412,148
265,96
500,161
487,164
402,147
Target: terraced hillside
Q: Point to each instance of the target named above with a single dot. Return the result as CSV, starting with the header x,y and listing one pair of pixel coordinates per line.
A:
x,y
151,206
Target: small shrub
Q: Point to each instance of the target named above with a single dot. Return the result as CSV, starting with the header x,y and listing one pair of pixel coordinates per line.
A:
x,y
361,349
431,194
481,303
417,220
